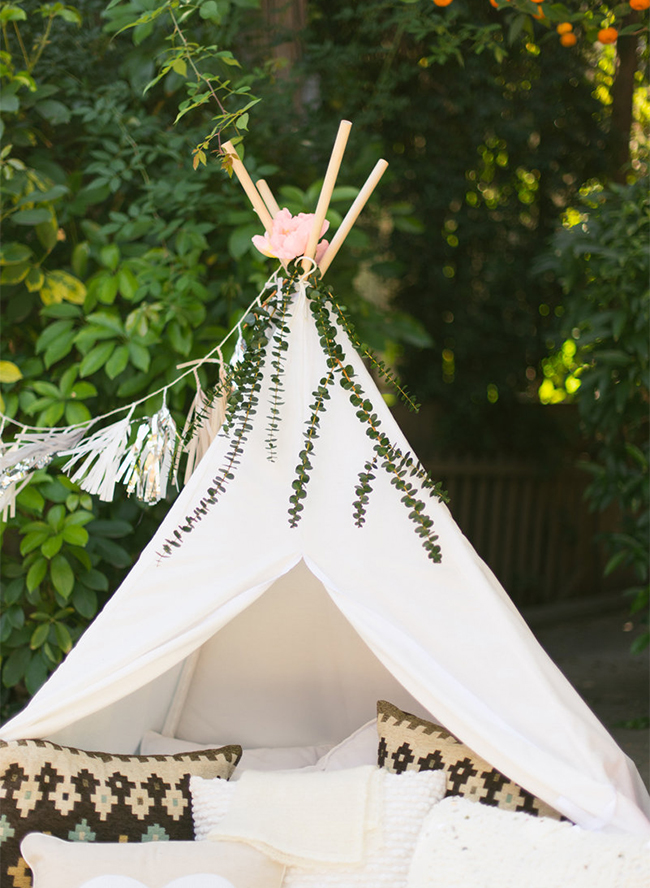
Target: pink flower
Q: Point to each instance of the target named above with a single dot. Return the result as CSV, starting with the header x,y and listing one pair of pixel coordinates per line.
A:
x,y
289,236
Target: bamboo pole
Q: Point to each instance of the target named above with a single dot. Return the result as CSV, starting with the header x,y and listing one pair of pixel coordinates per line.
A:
x,y
352,214
267,196
247,184
326,191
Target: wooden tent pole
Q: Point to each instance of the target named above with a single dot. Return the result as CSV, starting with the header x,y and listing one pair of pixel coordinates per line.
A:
x,y
247,184
352,214
267,196
326,191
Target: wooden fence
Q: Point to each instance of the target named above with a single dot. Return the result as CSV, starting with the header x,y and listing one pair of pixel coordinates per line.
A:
x,y
534,530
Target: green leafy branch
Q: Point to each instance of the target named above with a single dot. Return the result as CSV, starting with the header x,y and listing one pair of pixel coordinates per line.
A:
x,y
245,385
377,364
305,466
397,465
14,13
278,354
363,490
188,59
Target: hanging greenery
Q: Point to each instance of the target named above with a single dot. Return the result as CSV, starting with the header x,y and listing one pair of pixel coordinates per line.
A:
x,y
399,466
266,341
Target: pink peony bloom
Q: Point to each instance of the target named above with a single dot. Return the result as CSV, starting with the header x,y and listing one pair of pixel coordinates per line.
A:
x,y
289,236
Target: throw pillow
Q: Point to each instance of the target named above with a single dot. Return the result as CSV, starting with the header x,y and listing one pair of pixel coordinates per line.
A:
x,y
463,844
96,796
360,748
59,864
406,800
285,758
409,743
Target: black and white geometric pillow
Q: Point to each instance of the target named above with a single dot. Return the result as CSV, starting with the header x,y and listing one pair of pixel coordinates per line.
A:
x,y
96,797
409,743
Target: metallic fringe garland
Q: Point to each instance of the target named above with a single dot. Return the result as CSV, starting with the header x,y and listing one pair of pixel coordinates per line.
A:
x,y
146,468
28,453
98,462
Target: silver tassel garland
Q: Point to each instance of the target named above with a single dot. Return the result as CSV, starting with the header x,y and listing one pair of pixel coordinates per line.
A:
x,y
146,468
29,452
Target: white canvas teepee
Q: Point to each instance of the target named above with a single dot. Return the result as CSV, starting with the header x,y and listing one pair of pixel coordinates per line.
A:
x,y
255,632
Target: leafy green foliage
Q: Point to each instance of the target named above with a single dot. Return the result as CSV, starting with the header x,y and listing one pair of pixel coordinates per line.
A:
x,y
205,69
112,272
57,561
279,347
473,188
603,266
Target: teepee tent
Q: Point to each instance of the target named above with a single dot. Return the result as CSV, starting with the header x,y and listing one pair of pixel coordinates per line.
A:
x,y
238,625
256,632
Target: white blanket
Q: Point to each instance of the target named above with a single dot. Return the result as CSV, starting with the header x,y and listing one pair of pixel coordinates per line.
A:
x,y
467,845
304,818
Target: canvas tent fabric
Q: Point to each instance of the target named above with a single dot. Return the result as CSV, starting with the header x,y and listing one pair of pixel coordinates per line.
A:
x,y
285,636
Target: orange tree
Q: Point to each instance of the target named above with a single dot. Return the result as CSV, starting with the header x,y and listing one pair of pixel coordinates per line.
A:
x,y
593,27
590,27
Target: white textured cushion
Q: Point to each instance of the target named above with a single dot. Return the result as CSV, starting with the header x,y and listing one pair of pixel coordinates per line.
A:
x,y
467,845
263,759
209,805
407,798
59,864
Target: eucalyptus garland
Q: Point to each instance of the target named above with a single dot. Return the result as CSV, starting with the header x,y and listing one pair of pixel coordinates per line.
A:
x,y
268,328
401,468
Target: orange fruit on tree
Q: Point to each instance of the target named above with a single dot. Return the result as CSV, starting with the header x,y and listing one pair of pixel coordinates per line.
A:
x,y
639,5
442,2
565,27
568,39
608,35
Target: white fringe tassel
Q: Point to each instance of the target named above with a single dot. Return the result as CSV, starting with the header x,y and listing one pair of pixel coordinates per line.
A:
x,y
207,416
103,454
8,498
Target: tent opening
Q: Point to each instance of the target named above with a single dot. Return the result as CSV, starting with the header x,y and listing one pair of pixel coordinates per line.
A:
x,y
289,670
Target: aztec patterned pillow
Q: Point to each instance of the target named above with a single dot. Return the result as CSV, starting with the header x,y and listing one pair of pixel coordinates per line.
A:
x,y
96,796
409,743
